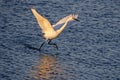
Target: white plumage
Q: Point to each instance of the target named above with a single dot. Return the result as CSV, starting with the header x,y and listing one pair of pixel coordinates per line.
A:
x,y
48,30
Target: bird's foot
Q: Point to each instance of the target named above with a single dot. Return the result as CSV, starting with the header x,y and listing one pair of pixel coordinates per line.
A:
x,y
54,44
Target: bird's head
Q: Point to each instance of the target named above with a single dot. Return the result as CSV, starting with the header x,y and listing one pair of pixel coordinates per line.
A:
x,y
73,17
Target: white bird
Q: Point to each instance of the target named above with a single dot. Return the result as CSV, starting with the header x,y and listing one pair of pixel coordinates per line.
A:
x,y
48,31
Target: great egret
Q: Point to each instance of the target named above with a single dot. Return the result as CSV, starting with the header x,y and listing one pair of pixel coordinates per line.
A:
x,y
48,31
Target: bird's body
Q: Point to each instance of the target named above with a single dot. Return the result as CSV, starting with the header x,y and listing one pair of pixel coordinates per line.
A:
x,y
48,30
49,35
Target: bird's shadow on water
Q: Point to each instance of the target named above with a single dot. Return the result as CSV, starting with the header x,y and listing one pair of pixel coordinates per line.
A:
x,y
30,47
44,50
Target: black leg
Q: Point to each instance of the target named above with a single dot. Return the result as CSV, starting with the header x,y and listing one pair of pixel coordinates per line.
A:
x,y
41,46
50,43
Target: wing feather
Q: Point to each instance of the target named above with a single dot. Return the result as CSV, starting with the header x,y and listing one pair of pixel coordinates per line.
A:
x,y
42,21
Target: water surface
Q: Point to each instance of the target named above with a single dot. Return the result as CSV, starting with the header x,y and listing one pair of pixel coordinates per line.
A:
x,y
88,50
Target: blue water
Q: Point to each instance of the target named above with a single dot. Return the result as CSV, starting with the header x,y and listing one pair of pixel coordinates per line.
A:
x,y
88,50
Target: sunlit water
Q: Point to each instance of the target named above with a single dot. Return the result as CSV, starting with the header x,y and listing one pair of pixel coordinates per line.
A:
x,y
48,67
88,50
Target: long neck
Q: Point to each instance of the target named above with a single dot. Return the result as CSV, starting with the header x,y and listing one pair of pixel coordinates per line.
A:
x,y
62,28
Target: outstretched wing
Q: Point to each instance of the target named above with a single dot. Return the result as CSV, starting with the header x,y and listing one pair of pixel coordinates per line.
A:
x,y
63,20
42,21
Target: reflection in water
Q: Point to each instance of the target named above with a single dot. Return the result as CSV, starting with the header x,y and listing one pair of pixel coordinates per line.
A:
x,y
47,68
